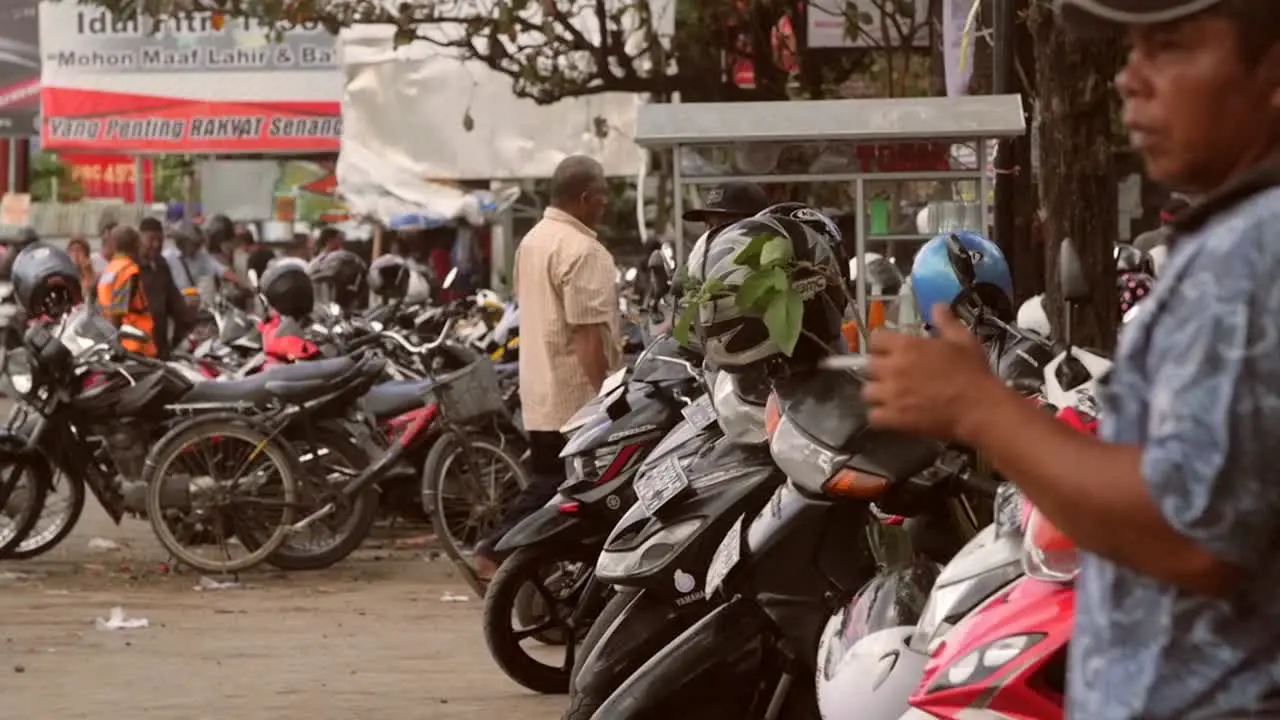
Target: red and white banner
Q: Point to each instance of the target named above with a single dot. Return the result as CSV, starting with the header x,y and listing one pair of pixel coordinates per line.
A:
x,y
111,176
184,85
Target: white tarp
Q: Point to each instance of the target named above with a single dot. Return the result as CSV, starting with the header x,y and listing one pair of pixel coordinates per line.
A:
x,y
403,136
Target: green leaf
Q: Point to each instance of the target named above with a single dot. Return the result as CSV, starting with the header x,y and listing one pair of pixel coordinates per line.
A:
x,y
750,255
782,318
758,289
775,252
685,323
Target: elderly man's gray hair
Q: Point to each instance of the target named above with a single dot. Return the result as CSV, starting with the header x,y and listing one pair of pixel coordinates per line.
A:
x,y
574,176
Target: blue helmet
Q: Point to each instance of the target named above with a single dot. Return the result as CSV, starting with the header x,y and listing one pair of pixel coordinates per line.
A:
x,y
934,282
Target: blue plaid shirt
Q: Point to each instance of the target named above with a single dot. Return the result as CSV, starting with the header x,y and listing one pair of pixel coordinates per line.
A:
x,y
1197,385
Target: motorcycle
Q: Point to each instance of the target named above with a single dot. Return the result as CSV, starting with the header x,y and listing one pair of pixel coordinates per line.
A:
x,y
1009,656
554,549
91,411
874,651
657,554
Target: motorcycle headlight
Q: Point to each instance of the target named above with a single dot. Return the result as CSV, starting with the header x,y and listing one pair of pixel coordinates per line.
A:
x,y
1048,554
650,554
808,464
986,660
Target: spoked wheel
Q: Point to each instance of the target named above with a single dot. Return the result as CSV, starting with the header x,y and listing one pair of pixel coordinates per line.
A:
x,y
23,484
465,500
62,507
212,482
328,460
560,584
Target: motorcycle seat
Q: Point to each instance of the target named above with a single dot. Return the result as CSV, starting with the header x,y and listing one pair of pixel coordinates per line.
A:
x,y
253,389
390,399
298,390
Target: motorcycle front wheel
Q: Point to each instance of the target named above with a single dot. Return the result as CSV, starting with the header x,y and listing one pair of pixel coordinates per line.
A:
x,y
24,482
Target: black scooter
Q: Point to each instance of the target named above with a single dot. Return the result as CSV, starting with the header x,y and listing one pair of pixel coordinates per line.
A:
x,y
780,573
656,558
554,549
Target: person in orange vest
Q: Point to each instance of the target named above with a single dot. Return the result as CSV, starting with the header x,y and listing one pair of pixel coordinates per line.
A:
x,y
121,295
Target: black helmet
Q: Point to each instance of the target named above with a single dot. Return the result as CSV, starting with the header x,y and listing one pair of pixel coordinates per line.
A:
x,y
27,237
736,339
884,279
1130,259
340,275
287,287
187,236
46,281
394,277
218,230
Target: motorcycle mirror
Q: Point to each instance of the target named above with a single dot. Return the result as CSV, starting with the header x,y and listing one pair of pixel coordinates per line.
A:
x,y
631,274
448,279
129,332
961,260
1075,289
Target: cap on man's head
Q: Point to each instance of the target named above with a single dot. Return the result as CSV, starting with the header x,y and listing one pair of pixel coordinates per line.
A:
x,y
1095,15
735,198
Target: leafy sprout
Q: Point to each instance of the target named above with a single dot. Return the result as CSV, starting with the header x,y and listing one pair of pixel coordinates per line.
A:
x,y
766,292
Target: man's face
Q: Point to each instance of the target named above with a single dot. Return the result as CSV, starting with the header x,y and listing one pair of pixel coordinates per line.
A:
x,y
152,242
594,202
1193,109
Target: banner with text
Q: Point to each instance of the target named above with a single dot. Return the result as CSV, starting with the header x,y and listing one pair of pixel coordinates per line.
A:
x,y
111,176
181,85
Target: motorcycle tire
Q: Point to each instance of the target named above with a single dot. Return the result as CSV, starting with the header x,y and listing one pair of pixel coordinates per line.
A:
x,y
582,706
521,567
174,444
42,539
360,516
32,504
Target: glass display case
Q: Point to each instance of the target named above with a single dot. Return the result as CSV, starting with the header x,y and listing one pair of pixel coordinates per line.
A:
x,y
892,172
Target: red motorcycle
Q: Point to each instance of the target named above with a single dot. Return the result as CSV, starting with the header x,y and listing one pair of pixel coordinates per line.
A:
x,y
1009,659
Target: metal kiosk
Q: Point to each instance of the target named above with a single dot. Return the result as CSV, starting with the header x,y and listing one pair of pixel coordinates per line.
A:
x,y
893,171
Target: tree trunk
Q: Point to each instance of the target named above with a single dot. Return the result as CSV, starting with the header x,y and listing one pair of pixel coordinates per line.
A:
x,y
1074,110
1027,244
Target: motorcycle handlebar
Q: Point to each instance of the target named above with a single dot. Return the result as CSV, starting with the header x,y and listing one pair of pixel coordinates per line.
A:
x,y
404,342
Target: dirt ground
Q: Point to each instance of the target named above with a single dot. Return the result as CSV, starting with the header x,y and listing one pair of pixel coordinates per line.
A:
x,y
371,638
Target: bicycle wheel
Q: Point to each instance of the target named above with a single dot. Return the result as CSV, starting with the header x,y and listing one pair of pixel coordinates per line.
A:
x,y
23,484
465,501
211,481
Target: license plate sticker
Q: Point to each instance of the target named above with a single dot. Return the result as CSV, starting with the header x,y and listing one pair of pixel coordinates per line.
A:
x,y
727,556
658,486
701,414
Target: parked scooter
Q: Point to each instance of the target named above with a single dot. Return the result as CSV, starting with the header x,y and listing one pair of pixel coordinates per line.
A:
x,y
873,655
555,548
659,552
783,571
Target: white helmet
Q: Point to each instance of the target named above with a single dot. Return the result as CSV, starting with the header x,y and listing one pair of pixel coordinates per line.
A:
x,y
1031,316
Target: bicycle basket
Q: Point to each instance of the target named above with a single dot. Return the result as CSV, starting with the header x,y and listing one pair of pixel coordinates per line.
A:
x,y
469,393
